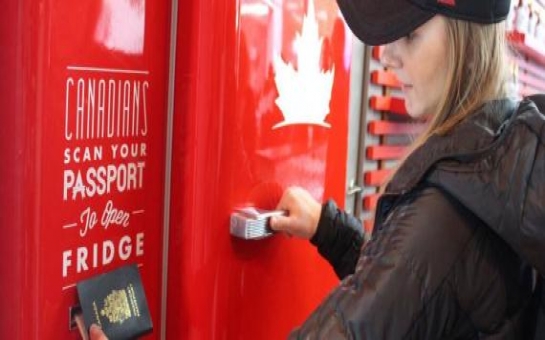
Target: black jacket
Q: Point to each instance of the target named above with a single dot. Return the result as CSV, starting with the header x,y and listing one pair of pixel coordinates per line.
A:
x,y
453,233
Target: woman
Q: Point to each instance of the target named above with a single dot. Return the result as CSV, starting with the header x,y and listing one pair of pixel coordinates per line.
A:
x,y
460,217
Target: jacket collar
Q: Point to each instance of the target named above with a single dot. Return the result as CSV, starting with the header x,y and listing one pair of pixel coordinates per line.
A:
x,y
470,137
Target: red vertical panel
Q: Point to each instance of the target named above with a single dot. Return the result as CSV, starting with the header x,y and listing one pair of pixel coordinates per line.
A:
x,y
233,145
16,137
83,134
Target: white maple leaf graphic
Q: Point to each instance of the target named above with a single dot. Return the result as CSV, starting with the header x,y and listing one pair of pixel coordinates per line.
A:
x,y
304,94
121,24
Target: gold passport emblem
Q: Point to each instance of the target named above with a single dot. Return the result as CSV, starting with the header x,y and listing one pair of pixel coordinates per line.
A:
x,y
116,307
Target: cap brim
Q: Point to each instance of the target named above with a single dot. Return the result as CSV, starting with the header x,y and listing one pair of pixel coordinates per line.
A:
x,y
377,22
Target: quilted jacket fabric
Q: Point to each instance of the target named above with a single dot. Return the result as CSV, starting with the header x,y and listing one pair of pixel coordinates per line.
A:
x,y
456,235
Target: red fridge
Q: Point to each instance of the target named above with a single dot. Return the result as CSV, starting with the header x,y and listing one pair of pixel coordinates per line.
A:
x,y
84,107
131,130
261,103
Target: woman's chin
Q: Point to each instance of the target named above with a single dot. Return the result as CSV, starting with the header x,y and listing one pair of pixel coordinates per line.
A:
x,y
413,112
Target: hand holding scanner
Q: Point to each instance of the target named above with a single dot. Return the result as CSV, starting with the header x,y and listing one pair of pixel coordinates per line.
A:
x,y
251,223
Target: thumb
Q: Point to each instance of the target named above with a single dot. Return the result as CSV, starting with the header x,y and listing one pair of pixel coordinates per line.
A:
x,y
279,223
96,333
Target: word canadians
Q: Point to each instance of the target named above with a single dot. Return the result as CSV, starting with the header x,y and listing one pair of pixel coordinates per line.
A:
x,y
98,108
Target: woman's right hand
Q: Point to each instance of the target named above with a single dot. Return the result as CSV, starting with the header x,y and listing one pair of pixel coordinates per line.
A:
x,y
303,213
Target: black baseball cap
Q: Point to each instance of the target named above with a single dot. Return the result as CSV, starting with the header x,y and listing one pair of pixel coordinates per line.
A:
x,y
378,22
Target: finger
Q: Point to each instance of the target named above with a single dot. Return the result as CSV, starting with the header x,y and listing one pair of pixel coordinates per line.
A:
x,y
96,333
287,198
282,204
279,223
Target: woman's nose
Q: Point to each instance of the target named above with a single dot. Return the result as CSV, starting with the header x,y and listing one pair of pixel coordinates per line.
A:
x,y
389,57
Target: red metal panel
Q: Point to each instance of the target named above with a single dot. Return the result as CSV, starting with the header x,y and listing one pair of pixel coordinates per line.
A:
x,y
384,152
531,80
84,133
388,103
528,45
385,78
234,145
376,177
16,137
370,202
380,127
368,226
524,65
377,52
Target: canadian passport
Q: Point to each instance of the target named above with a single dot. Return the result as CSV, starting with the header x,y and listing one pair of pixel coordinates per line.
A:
x,y
116,302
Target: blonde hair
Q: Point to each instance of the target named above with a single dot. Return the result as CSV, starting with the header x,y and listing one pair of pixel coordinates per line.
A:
x,y
477,72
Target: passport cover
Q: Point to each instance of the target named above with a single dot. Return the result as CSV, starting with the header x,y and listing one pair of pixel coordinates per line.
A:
x,y
116,302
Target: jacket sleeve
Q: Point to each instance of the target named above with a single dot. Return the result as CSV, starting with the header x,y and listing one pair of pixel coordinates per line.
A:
x,y
339,238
